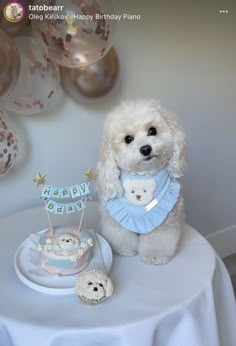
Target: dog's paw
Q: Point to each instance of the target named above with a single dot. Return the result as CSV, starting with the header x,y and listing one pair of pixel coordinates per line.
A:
x,y
155,259
128,253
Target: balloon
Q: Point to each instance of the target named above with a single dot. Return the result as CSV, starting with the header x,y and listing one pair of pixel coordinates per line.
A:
x,y
94,81
8,144
37,83
77,35
13,28
9,64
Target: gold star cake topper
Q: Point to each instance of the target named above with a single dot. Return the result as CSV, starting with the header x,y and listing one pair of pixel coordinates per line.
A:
x,y
40,179
90,174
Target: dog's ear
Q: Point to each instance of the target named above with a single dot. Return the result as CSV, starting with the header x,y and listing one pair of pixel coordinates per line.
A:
x,y
108,181
150,184
109,287
177,163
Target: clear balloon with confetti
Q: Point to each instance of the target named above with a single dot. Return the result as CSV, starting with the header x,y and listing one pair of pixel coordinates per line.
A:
x,y
78,33
38,81
8,143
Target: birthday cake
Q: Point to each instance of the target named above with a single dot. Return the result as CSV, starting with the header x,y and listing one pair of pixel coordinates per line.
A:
x,y
65,252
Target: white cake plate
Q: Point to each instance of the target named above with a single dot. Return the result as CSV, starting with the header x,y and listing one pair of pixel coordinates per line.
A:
x,y
55,284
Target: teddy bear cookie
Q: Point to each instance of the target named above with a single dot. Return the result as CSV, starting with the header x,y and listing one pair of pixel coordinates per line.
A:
x,y
65,252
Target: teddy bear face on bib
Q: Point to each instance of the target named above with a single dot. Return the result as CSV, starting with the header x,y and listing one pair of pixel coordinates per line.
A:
x,y
139,192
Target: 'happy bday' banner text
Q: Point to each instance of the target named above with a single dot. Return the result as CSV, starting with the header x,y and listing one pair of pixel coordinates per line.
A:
x,y
74,191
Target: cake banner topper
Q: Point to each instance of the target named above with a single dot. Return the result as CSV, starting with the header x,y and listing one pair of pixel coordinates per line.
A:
x,y
61,208
74,191
80,192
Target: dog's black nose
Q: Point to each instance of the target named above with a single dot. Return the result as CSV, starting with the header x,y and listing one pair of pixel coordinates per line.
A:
x,y
138,197
95,289
146,150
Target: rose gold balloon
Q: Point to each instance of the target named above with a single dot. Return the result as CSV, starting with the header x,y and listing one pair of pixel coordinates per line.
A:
x,y
77,35
87,84
9,64
8,144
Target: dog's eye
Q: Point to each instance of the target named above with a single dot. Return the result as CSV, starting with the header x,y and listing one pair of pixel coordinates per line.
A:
x,y
152,131
101,285
90,283
129,139
144,191
132,191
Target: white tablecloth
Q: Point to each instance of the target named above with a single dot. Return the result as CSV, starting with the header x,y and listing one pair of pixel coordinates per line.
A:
x,y
187,302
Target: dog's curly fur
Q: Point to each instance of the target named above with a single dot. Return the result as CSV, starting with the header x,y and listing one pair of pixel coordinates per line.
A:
x,y
135,118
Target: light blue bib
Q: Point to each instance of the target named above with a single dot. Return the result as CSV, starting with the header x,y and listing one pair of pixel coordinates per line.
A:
x,y
144,218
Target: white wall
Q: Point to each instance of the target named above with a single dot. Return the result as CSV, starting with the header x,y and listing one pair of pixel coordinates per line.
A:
x,y
182,53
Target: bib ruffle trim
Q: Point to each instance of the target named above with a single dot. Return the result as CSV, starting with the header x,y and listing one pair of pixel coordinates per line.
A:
x,y
146,221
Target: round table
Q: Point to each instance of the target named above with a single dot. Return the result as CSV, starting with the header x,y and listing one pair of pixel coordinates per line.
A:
x,y
188,301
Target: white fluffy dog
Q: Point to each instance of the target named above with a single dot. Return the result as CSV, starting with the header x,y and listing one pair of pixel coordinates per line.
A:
x,y
142,142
